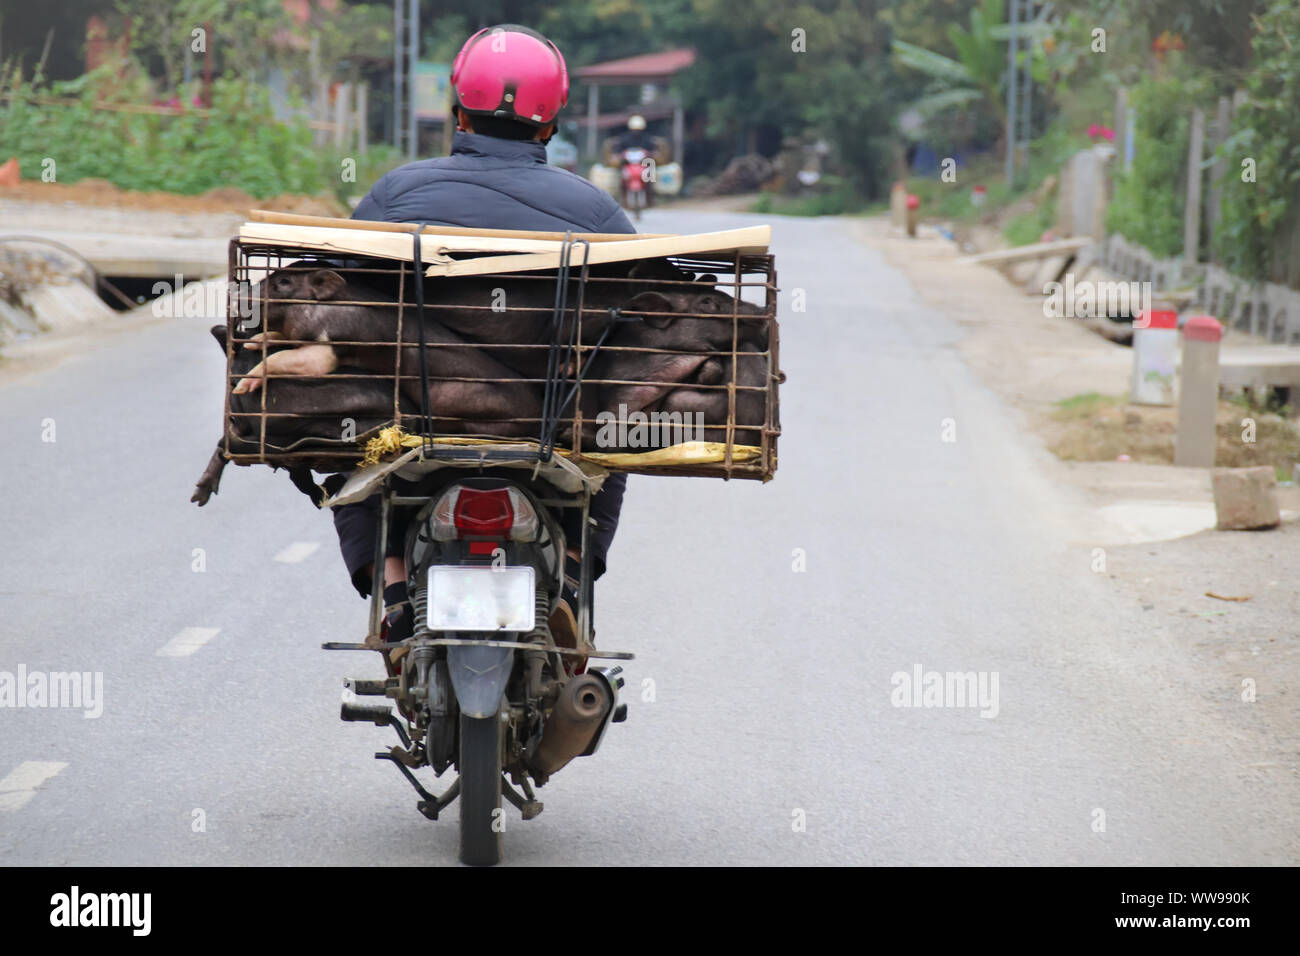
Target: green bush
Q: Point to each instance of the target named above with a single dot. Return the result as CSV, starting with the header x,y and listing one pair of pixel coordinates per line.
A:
x,y
1028,227
237,143
1267,131
1150,198
835,197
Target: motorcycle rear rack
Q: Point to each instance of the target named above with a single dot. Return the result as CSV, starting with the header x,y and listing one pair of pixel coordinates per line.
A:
x,y
465,642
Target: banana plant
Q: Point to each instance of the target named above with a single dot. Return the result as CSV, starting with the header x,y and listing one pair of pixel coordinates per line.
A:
x,y
978,74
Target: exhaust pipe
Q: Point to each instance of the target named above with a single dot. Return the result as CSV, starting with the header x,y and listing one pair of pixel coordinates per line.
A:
x,y
569,732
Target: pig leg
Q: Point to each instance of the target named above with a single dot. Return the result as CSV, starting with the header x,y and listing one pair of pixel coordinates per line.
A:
x,y
315,360
210,479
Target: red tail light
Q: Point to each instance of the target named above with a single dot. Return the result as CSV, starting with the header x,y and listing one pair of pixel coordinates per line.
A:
x,y
464,512
483,512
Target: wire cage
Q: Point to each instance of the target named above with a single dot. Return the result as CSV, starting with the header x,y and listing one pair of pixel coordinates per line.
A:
x,y
666,366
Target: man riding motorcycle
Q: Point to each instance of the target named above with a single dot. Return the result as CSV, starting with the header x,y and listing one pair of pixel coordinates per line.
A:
x,y
631,149
636,137
508,83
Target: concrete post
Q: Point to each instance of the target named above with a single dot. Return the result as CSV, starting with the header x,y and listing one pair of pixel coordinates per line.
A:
x,y
320,108
342,94
1222,124
1192,219
363,117
412,58
898,204
1155,352
1121,123
1011,93
1198,393
679,134
399,78
593,111
913,213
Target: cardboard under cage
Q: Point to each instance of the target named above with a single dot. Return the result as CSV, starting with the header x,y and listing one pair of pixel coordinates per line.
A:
x,y
647,354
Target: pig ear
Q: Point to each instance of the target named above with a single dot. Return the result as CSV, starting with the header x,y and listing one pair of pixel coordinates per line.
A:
x,y
652,302
326,284
656,269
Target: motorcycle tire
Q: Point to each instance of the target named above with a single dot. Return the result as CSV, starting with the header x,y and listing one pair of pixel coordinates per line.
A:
x,y
481,820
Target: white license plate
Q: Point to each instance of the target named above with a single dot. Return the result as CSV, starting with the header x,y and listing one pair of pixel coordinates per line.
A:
x,y
481,599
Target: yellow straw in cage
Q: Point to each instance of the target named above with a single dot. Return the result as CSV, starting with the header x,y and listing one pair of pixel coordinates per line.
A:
x,y
392,440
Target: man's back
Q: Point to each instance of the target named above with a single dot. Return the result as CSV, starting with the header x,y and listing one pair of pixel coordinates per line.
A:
x,y
490,183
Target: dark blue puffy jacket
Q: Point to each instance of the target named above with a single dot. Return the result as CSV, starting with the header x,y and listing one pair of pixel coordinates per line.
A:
x,y
489,183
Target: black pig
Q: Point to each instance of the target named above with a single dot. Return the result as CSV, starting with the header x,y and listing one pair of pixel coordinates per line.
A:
x,y
368,402
328,324
678,330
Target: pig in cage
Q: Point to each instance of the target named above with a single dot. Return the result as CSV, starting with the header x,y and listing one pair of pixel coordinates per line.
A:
x,y
621,363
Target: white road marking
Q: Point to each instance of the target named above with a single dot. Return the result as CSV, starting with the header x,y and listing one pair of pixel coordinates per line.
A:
x,y
298,551
189,640
21,784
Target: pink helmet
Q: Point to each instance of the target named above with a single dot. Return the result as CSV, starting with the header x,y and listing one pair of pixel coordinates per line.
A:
x,y
512,72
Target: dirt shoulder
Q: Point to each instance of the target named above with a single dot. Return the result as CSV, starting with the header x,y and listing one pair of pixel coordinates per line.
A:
x,y
1070,384
1152,522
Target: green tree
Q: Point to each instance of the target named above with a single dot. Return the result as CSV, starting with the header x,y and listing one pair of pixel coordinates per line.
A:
x,y
1262,157
1149,200
975,75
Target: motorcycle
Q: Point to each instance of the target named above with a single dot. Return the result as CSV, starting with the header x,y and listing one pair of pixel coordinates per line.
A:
x,y
492,681
636,190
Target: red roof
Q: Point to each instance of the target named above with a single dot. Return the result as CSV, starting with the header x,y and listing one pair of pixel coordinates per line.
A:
x,y
647,65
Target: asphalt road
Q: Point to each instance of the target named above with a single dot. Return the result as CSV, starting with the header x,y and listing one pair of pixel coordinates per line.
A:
x,y
762,728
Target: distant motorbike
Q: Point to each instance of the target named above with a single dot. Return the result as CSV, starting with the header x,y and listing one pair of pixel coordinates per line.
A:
x,y
486,683
636,188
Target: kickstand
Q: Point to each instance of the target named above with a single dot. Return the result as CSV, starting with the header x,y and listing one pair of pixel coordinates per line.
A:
x,y
528,806
429,805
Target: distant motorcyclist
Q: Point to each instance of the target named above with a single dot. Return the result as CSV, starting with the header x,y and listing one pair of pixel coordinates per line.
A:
x,y
635,151
636,137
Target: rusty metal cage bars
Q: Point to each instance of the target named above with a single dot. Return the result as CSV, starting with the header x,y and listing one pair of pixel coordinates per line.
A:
x,y
242,257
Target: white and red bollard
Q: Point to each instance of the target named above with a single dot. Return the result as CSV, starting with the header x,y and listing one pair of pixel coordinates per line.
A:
x,y
1155,357
1198,392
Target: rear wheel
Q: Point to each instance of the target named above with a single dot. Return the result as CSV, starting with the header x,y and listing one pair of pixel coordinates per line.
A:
x,y
481,822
